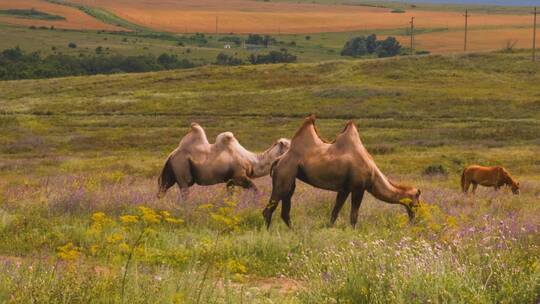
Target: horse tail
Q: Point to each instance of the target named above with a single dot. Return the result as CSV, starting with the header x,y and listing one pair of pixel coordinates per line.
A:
x,y
167,178
463,182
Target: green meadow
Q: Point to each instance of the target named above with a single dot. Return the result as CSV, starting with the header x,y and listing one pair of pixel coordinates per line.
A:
x,y
80,156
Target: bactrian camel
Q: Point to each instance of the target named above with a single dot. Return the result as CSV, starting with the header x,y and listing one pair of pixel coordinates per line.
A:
x,y
343,166
196,161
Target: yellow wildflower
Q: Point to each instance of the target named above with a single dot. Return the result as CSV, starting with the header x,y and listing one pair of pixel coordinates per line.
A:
x,y
129,219
123,247
68,252
115,237
149,216
99,217
173,220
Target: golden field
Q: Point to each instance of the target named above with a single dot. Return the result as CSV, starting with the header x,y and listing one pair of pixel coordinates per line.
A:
x,y
243,16
75,19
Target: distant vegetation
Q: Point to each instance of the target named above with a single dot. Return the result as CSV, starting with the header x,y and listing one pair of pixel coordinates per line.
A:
x,y
362,46
272,57
31,14
16,64
260,39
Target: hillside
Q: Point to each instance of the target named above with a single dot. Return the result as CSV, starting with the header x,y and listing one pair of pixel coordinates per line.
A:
x,y
79,158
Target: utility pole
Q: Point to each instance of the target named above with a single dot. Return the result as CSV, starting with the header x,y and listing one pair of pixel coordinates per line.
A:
x,y
534,35
412,36
466,28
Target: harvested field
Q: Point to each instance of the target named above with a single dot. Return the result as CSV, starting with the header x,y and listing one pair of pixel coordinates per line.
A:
x,y
75,19
479,40
241,16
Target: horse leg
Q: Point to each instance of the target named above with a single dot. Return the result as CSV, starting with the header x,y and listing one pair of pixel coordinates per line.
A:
x,y
340,201
286,206
356,201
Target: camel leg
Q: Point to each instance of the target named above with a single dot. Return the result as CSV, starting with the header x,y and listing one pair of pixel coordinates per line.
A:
x,y
184,190
270,208
340,201
356,201
410,212
242,181
286,206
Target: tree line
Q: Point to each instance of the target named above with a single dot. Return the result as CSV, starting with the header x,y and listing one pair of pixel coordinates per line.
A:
x,y
17,64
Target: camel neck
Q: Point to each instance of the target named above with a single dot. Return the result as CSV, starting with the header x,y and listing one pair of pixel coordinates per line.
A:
x,y
261,163
384,190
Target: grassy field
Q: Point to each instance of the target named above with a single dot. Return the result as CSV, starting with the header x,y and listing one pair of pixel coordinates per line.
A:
x,y
79,159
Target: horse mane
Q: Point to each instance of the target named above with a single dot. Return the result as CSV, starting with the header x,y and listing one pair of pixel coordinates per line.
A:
x,y
508,177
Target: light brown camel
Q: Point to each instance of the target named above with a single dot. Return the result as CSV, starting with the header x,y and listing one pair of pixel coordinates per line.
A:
x,y
487,176
343,166
196,161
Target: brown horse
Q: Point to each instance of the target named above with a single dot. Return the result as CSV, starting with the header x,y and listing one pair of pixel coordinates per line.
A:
x,y
343,166
487,176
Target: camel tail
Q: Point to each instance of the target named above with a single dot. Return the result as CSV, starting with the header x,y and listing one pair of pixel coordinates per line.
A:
x,y
167,178
463,180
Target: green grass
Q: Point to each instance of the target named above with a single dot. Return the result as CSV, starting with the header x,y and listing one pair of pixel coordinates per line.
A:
x,y
30,14
73,147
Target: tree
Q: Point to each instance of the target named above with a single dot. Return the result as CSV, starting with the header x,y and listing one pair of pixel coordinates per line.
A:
x,y
361,46
388,47
355,47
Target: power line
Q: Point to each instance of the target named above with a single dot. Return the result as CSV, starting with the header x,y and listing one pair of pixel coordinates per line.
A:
x,y
534,35
466,29
412,35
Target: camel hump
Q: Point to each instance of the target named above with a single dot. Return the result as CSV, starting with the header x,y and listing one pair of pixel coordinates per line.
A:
x,y
225,138
310,119
349,136
196,127
350,126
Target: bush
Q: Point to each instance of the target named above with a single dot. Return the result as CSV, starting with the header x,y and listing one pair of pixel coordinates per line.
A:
x,y
234,39
272,57
224,59
435,170
260,40
72,45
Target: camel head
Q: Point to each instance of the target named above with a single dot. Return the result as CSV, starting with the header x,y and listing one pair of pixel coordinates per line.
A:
x,y
413,195
282,145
